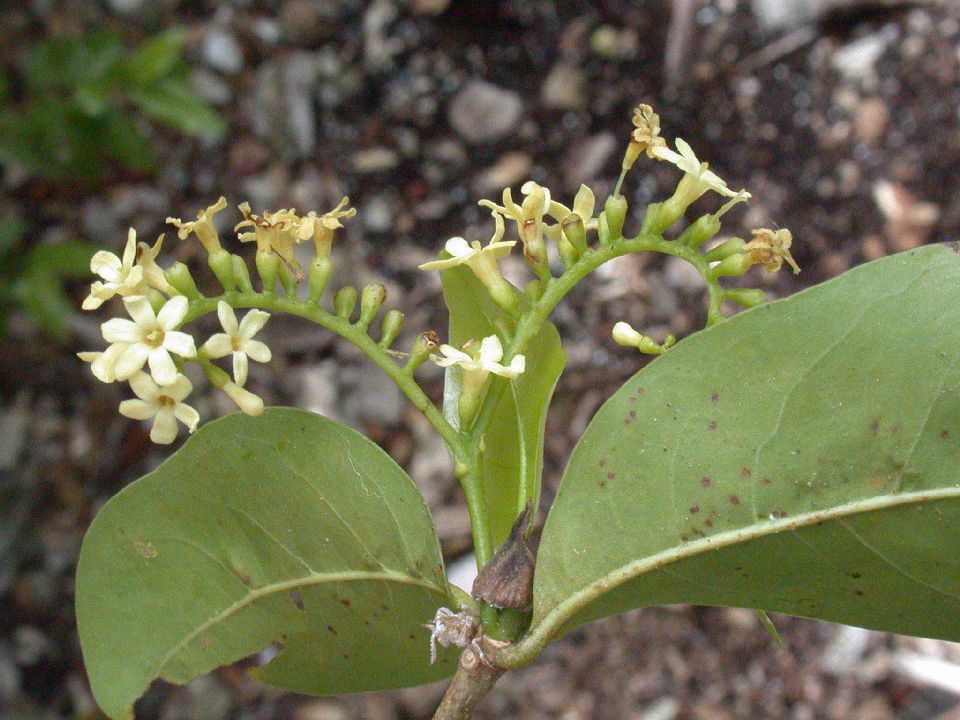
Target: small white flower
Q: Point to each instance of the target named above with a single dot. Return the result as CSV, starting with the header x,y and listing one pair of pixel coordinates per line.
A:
x,y
248,402
163,404
150,338
121,276
697,171
471,254
237,339
488,361
103,364
153,274
624,334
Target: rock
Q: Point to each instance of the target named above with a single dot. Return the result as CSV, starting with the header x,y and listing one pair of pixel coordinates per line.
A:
x,y
318,388
375,160
509,169
680,274
369,396
378,47
781,15
482,112
304,22
126,7
585,161
377,213
871,120
321,710
222,52
211,87
246,155
281,104
856,61
909,220
564,88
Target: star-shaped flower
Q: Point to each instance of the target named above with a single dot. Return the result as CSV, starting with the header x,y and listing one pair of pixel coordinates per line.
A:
x,y
149,338
474,255
273,232
203,226
237,339
487,360
103,364
164,404
320,227
121,276
697,171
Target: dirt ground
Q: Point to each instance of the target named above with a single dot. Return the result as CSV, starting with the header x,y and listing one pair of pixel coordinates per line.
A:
x,y
844,125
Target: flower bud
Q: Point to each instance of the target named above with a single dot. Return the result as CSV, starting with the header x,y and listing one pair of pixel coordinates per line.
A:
x,y
268,264
624,334
288,278
344,301
178,275
534,247
390,328
575,232
241,275
603,229
320,270
733,265
653,222
733,246
221,262
701,230
568,253
371,299
615,210
425,344
747,297
247,401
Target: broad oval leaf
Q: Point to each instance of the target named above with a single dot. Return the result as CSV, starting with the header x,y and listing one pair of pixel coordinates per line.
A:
x,y
287,528
512,464
801,457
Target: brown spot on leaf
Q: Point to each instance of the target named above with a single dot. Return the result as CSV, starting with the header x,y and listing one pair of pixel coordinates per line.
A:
x,y
734,500
297,600
714,397
695,509
611,475
705,481
633,414
205,642
345,602
874,426
876,481
332,629
708,523
641,390
602,484
745,472
766,481
858,591
944,433
779,514
712,425
145,548
855,575
602,462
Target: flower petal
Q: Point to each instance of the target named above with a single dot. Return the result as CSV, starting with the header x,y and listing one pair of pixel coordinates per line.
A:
x,y
130,251
121,330
164,430
173,312
141,311
257,351
180,343
240,367
106,265
228,318
187,415
138,409
131,360
490,350
584,203
162,367
144,387
458,247
179,388
252,323
218,346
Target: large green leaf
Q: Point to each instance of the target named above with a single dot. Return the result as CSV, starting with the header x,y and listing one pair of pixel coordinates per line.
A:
x,y
512,463
801,457
287,528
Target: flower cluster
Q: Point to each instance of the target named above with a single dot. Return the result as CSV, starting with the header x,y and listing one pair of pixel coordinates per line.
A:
x,y
148,349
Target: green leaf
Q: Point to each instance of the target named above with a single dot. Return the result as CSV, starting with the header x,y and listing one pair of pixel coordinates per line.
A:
x,y
156,57
801,457
174,103
512,463
287,528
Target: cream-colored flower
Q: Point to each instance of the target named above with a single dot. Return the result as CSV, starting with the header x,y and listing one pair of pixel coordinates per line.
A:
x,y
486,361
153,274
122,276
646,133
164,404
149,339
473,255
237,340
770,248
583,205
203,226
320,227
700,177
248,402
273,232
103,364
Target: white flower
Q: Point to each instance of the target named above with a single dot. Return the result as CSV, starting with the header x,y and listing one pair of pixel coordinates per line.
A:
x,y
153,274
203,226
248,402
624,334
488,361
103,363
122,276
150,338
471,254
163,404
237,339
687,161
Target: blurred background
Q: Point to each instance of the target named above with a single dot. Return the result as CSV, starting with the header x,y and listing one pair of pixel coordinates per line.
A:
x,y
842,117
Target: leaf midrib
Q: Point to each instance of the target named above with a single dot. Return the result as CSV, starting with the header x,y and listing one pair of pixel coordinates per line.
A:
x,y
565,610
287,585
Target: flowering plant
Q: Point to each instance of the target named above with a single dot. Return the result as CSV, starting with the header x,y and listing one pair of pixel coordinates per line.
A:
x,y
799,457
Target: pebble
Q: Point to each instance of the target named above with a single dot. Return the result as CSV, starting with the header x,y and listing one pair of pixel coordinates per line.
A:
x,y
509,169
587,159
856,61
680,274
321,710
377,213
211,87
871,120
304,22
222,52
318,388
369,396
564,88
482,112
909,220
375,160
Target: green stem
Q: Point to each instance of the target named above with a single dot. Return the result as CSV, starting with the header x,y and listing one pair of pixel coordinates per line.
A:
x,y
353,334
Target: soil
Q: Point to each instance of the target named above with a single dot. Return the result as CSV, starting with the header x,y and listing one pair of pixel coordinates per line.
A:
x,y
845,127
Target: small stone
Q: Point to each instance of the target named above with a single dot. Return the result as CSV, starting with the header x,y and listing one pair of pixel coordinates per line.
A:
x,y
222,52
856,61
303,23
318,388
564,88
680,274
509,169
246,155
586,160
909,220
126,7
375,160
377,214
321,710
871,120
211,87
369,396
482,112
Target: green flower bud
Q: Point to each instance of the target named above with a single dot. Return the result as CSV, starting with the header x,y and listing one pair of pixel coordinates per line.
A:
x,y
615,210
241,274
575,232
701,230
568,253
603,229
390,328
423,346
221,262
653,220
344,301
178,275
287,279
733,246
747,297
733,265
268,264
320,270
371,299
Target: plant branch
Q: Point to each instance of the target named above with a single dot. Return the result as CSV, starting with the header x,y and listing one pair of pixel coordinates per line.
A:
x,y
472,681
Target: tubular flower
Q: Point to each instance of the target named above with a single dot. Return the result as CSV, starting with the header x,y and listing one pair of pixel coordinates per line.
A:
x,y
697,177
320,227
122,276
248,402
153,274
273,232
487,360
164,404
237,340
770,248
529,218
148,339
478,258
645,136
103,364
203,226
